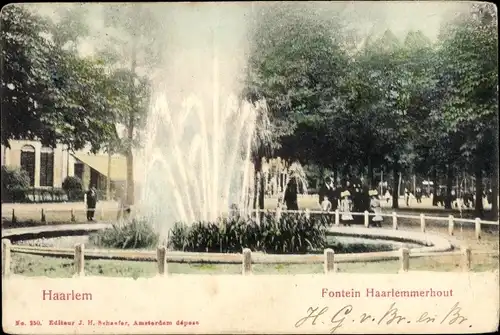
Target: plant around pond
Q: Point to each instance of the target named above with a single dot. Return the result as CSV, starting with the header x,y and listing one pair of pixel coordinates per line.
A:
x,y
288,234
136,234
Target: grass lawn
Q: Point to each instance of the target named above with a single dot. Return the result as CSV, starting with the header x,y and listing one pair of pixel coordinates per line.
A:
x,y
32,265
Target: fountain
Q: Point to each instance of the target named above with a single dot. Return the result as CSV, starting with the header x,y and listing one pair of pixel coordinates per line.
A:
x,y
197,159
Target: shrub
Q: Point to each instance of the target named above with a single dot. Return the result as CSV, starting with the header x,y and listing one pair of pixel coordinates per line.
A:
x,y
136,234
14,182
73,186
178,236
289,234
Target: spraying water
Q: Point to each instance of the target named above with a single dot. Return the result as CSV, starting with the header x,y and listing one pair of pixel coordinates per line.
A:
x,y
197,158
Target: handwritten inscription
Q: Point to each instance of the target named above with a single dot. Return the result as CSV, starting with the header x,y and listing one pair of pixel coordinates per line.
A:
x,y
392,316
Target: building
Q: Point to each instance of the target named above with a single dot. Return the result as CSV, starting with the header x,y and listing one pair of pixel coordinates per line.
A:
x,y
93,170
48,167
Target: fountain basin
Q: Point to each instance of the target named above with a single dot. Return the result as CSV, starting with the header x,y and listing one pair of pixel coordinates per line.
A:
x,y
424,244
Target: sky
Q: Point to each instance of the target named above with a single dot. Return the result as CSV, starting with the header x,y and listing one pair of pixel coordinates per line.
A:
x,y
403,16
191,30
190,27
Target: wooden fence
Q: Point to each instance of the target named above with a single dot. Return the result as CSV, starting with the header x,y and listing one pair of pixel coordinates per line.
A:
x,y
329,264
329,255
394,215
450,220
69,215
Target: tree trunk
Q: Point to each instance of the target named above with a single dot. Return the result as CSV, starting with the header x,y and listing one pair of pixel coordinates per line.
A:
x,y
345,172
479,191
434,186
130,128
130,177
494,178
130,164
108,179
395,186
371,181
262,192
255,188
258,182
449,186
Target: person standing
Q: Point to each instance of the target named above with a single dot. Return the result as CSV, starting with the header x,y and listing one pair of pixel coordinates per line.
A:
x,y
345,208
323,191
418,195
376,209
290,197
326,205
334,196
91,203
489,197
407,197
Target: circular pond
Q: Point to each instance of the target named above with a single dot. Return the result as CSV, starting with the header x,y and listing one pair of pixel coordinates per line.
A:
x,y
340,243
351,244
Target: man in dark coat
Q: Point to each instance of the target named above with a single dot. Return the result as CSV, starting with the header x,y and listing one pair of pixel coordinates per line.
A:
x,y
328,189
489,196
323,191
91,203
418,195
334,196
365,196
291,192
357,202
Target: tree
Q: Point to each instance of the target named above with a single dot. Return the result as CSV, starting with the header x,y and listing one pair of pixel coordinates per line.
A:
x,y
135,44
296,66
468,84
50,94
390,96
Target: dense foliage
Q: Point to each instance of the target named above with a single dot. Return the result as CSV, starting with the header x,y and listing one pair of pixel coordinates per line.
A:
x,y
389,104
55,95
73,186
14,182
16,189
289,234
136,234
49,92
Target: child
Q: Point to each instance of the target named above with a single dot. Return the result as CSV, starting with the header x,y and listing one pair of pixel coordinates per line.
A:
x,y
375,208
345,208
326,205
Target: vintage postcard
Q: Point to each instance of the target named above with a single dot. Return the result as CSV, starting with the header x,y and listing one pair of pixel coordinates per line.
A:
x,y
250,167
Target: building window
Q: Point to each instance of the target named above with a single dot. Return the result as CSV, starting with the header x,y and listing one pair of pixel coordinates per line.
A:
x,y
47,167
79,170
28,162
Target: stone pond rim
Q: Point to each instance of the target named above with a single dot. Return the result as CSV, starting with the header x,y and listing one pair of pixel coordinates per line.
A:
x,y
431,244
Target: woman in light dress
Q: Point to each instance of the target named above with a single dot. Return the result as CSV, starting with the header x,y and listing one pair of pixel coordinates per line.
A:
x,y
345,208
375,207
